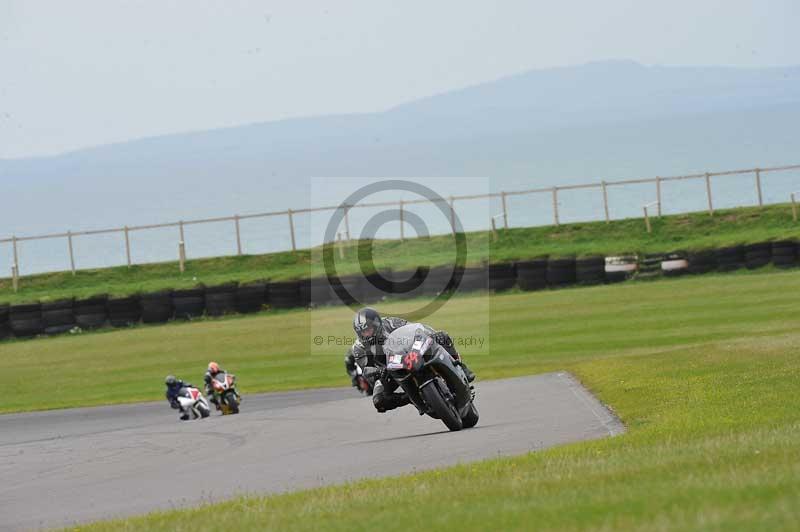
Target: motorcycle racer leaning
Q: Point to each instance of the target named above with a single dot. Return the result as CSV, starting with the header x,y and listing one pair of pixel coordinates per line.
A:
x,y
211,372
174,386
371,331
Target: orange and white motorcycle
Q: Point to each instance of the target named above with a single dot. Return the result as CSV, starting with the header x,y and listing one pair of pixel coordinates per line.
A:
x,y
224,386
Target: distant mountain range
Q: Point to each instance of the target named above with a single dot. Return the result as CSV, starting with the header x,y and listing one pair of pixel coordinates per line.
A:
x,y
600,120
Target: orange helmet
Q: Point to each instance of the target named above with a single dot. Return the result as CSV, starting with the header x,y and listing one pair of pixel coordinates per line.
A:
x,y
213,367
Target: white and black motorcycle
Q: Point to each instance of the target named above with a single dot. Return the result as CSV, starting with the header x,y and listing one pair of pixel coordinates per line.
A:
x,y
193,404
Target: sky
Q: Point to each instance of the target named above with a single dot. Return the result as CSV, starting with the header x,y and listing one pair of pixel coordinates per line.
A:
x,y
91,72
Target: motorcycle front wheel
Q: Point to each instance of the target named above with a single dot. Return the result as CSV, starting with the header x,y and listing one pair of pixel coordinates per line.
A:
x,y
471,419
446,411
233,404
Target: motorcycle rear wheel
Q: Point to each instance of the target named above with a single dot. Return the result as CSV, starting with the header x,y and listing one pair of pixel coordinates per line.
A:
x,y
446,411
204,411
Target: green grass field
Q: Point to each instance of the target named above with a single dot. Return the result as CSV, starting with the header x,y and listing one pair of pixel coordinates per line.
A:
x,y
704,371
687,232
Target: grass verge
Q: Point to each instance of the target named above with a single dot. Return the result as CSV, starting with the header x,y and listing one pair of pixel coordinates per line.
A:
x,y
689,231
703,371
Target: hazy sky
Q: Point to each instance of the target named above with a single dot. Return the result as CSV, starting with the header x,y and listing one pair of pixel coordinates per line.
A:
x,y
82,73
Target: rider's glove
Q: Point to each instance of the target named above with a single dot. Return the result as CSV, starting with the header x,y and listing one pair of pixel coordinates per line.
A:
x,y
442,338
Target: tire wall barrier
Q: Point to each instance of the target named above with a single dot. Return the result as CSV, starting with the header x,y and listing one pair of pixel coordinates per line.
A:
x,y
124,311
91,313
251,297
590,270
221,299
156,307
532,274
561,272
29,320
784,254
284,294
58,316
5,326
26,320
189,304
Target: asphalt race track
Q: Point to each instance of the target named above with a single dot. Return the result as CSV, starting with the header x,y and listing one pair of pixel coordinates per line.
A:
x,y
71,466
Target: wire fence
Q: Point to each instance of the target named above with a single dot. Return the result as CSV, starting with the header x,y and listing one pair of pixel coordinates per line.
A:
x,y
289,215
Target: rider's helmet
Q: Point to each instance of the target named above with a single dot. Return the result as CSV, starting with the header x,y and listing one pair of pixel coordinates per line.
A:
x,y
170,380
213,368
368,325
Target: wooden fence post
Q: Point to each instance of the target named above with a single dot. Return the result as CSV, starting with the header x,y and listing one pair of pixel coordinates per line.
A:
x,y
708,193
347,222
340,245
15,278
505,211
758,187
182,256
605,202
402,223
71,253
494,230
555,205
238,235
16,256
647,221
452,215
658,194
291,229
127,246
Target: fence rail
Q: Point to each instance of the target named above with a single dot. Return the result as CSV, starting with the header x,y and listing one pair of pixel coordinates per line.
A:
x,y
502,195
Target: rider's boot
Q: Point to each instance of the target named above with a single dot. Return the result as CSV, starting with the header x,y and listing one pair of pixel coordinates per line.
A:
x,y
468,372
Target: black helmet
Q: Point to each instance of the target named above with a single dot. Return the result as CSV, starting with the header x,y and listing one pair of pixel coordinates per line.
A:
x,y
368,325
170,380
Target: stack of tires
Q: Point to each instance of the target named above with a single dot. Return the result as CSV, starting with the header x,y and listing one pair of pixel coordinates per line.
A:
x,y
407,284
757,255
502,276
156,306
474,279
285,294
189,303
221,299
704,261
674,264
532,274
730,258
650,265
784,254
58,316
5,326
590,270
26,320
124,311
376,286
304,292
320,292
251,297
91,313
439,279
620,268
561,272
347,289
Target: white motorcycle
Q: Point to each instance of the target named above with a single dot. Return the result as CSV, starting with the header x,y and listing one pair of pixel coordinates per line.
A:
x,y
193,404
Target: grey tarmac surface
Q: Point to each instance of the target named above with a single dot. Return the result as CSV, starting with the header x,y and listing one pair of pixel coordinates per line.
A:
x,y
73,466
